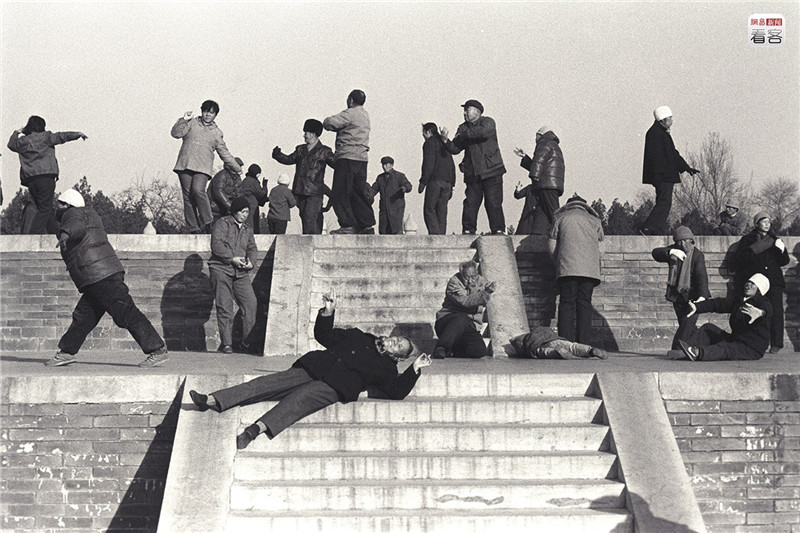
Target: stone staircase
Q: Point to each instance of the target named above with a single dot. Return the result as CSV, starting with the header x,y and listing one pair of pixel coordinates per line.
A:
x,y
388,286
464,452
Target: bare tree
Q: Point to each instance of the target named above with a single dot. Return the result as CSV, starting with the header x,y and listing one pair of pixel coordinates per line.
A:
x,y
160,199
716,184
780,197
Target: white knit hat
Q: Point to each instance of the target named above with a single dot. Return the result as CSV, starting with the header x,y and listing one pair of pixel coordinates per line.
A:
x,y
760,281
284,179
543,130
662,112
72,197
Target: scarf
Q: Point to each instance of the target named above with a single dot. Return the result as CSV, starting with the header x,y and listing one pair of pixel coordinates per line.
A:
x,y
762,244
679,280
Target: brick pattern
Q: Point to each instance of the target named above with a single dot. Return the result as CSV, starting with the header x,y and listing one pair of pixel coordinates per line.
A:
x,y
84,467
743,460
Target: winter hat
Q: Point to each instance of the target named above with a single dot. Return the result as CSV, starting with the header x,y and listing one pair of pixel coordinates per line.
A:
x,y
731,204
543,130
284,179
662,112
576,198
314,126
759,216
473,103
387,159
254,170
239,203
72,197
238,162
760,281
682,232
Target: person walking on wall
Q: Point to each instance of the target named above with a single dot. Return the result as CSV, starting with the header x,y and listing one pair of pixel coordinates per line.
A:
x,y
392,186
200,139
256,194
763,252
662,169
546,172
482,167
437,181
281,201
99,276
233,256
38,170
687,280
574,245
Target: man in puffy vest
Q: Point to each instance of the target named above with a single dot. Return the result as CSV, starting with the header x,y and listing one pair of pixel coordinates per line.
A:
x,y
546,171
99,277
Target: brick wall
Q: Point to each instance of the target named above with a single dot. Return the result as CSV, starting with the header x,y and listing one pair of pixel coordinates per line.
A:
x,y
741,450
79,466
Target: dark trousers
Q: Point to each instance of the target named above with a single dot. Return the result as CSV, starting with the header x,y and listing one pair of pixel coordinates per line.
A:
x,y
434,209
227,289
196,205
657,222
37,215
297,393
575,308
277,227
492,190
352,201
775,297
310,208
110,296
546,206
716,344
458,336
687,327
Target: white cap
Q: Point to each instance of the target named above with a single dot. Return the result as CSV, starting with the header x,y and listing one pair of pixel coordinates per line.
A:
x,y
543,130
662,112
284,179
72,197
761,282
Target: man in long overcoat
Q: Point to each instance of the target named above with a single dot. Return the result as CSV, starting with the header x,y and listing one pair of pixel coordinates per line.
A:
x,y
392,186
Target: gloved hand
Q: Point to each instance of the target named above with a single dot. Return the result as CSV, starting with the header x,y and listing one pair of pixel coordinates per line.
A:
x,y
678,254
421,188
693,171
779,245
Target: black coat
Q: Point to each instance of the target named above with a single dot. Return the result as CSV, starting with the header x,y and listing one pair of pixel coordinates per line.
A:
x,y
437,162
525,225
392,186
351,363
699,275
309,174
753,257
662,162
546,167
88,254
755,335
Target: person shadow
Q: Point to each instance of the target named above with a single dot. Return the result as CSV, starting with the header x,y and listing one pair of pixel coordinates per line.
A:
x,y
792,314
186,307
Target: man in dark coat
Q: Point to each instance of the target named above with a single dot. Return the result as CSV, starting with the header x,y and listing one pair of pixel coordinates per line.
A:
x,y
392,186
687,280
546,171
438,179
762,252
482,167
352,362
662,167
310,160
749,322
223,188
256,194
731,222
100,278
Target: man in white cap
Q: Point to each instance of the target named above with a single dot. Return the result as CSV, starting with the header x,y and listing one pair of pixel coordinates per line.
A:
x,y
99,277
662,169
730,221
749,322
546,171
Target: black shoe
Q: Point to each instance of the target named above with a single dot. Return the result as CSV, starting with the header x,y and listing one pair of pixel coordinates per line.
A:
x,y
366,231
225,348
439,353
692,352
201,401
597,352
247,436
344,230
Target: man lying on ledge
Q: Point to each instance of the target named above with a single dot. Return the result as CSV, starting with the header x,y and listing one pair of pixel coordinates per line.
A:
x,y
351,362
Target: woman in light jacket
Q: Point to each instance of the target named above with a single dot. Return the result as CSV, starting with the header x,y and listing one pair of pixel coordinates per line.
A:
x,y
201,137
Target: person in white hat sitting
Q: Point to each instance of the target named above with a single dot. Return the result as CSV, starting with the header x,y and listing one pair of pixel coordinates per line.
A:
x,y
730,221
749,321
662,169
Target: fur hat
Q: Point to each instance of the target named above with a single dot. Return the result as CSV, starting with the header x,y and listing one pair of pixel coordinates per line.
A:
x,y
72,197
662,112
760,281
314,126
682,232
759,216
254,170
284,179
239,203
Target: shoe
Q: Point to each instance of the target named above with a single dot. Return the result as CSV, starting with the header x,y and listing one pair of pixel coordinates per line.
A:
x,y
246,437
775,349
225,348
439,353
60,359
157,358
468,232
345,230
692,352
201,401
597,352
366,231
499,232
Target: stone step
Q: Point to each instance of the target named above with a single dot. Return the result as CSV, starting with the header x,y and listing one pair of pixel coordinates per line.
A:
x,y
387,285
387,300
434,438
452,465
436,521
469,495
401,271
449,256
418,332
373,242
381,315
541,410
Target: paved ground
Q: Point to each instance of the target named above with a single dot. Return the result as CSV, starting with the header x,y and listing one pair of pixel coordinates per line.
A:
x,y
187,363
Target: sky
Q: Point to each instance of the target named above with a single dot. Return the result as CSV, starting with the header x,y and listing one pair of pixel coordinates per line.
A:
x,y
122,73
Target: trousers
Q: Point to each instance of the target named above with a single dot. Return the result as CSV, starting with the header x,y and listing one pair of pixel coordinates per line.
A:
x,y
575,308
434,210
492,190
457,335
38,214
352,201
228,288
716,344
657,222
196,205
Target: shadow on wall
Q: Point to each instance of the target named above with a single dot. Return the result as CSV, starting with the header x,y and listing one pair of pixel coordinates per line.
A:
x,y
186,307
262,284
792,315
645,520
602,336
140,507
726,270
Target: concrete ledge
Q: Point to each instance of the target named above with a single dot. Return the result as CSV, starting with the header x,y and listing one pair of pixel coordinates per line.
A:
x,y
659,493
740,386
90,389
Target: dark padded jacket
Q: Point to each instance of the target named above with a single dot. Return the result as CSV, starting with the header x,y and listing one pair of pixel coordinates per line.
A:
x,y
482,158
351,364
309,174
437,162
546,167
756,335
88,254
